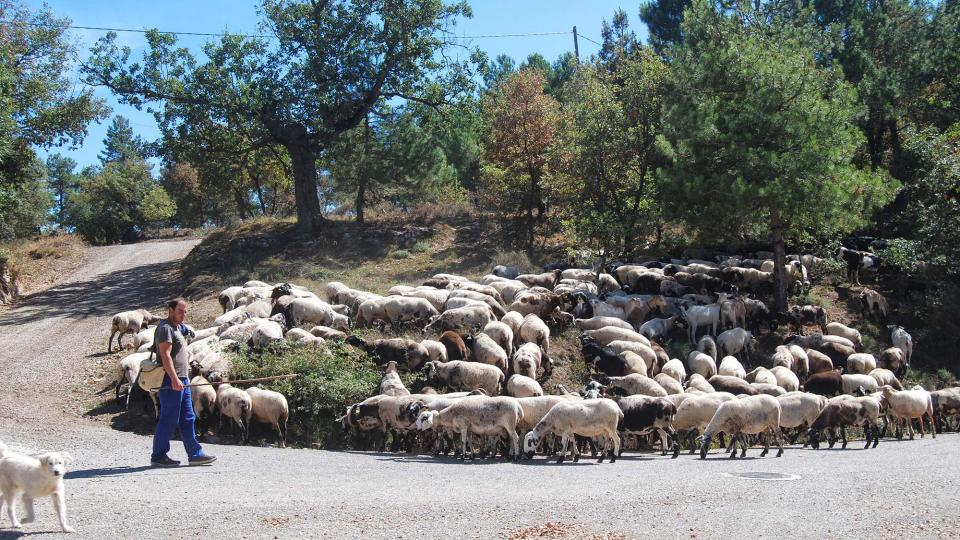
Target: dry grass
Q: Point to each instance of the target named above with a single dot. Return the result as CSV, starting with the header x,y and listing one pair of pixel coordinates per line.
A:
x,y
44,261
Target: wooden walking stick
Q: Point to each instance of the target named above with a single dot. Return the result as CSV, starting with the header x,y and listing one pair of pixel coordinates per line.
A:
x,y
259,379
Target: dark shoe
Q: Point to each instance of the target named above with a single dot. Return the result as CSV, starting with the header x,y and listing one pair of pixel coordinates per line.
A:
x,y
202,460
164,462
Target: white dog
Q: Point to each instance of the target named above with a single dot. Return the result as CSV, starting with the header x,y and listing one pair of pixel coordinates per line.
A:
x,y
33,476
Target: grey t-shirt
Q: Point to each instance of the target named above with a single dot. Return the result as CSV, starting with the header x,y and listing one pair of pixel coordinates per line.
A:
x,y
168,333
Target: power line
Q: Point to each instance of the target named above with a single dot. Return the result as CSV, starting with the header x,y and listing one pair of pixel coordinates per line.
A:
x,y
590,40
268,36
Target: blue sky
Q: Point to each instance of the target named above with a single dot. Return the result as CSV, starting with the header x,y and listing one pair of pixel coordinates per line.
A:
x,y
212,16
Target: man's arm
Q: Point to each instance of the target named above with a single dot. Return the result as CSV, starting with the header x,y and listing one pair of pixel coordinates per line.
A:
x,y
163,348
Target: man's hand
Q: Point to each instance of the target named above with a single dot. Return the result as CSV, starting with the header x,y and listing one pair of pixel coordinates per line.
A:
x,y
176,385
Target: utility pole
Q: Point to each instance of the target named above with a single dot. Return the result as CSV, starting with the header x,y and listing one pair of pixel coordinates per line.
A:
x,y
576,46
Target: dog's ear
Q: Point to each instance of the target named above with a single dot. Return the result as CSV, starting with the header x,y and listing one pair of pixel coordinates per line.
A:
x,y
44,459
67,458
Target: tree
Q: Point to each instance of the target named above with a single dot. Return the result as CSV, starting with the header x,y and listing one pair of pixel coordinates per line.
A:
x,y
182,182
619,42
615,138
522,146
38,107
120,143
118,202
61,181
763,137
331,64
663,19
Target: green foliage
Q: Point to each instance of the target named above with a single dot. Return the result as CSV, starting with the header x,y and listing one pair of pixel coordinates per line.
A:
x,y
62,182
663,18
401,254
422,246
331,64
121,144
933,209
327,382
614,137
23,206
762,136
116,203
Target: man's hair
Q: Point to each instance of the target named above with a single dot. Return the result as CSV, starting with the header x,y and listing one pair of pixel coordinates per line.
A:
x,y
172,304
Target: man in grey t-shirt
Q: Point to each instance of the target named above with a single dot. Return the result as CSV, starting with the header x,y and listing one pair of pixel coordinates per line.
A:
x,y
176,403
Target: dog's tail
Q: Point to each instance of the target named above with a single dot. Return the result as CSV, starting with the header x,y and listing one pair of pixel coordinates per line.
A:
x,y
3,450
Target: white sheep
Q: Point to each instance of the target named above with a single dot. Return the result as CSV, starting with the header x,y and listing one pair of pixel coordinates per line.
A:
x,y
702,364
436,350
534,330
604,336
738,418
270,407
903,341
465,318
696,411
735,342
699,383
801,361
390,383
732,367
636,384
760,375
674,368
513,319
299,336
527,360
910,404
850,383
588,418
317,312
708,345
502,334
596,323
862,363
486,351
521,386
786,379
480,415
129,322
671,385
844,331
658,328
395,310
469,376
886,377
235,405
204,400
326,332
800,409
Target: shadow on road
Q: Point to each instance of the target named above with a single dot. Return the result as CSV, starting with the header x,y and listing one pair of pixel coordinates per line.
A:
x,y
105,471
140,286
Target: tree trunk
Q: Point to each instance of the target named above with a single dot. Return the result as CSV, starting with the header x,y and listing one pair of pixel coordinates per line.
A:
x,y
896,161
361,200
304,163
779,264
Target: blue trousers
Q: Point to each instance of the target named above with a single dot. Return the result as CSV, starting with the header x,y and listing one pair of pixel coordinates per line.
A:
x,y
176,410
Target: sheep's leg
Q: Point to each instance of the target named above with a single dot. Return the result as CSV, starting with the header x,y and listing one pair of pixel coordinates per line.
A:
x,y
744,444
779,436
910,427
868,434
514,444
563,447
603,450
110,341
576,449
765,436
843,437
692,437
615,437
676,444
876,436
463,444
733,447
933,429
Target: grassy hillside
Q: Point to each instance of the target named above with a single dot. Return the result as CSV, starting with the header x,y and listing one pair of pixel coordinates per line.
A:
x,y
35,264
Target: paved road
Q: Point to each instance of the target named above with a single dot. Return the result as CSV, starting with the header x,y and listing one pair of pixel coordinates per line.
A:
x,y
899,489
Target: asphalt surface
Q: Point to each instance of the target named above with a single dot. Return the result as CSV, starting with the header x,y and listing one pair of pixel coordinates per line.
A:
x,y
53,340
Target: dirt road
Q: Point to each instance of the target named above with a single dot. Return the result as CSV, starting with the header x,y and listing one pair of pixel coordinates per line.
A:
x,y
54,338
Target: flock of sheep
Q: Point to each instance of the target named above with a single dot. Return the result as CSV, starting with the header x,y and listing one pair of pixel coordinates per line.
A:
x,y
487,348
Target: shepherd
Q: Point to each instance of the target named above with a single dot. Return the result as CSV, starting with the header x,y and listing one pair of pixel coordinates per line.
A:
x,y
176,404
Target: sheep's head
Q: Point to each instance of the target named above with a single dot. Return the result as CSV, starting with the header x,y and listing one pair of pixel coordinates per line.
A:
x,y
426,420
813,435
531,442
705,445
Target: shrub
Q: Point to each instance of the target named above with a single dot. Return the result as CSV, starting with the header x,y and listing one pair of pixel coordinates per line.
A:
x,y
421,247
328,380
401,254
516,259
